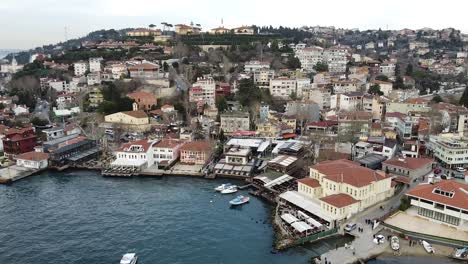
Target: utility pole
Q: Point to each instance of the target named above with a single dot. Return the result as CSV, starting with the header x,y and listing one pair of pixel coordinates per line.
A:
x,y
66,33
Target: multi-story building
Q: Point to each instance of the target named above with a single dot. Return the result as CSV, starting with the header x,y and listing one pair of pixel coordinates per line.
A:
x,y
450,150
144,70
235,121
401,123
409,105
116,69
343,188
93,78
252,66
337,58
322,96
262,77
385,87
350,101
203,91
95,64
346,86
137,154
387,69
167,151
95,97
18,141
182,29
445,201
283,87
196,152
309,57
355,123
143,32
80,67
408,167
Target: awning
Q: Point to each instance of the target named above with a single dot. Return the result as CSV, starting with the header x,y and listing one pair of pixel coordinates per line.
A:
x,y
301,226
128,162
289,218
306,204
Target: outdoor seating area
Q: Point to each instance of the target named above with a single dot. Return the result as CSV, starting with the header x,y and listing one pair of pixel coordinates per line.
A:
x,y
298,224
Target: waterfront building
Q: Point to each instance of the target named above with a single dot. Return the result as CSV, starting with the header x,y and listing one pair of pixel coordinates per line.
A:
x,y
442,202
167,151
236,162
70,149
32,160
18,140
235,121
136,155
409,167
196,152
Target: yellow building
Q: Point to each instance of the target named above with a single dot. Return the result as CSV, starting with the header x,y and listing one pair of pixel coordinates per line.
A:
x,y
219,30
95,97
143,32
344,188
182,29
137,121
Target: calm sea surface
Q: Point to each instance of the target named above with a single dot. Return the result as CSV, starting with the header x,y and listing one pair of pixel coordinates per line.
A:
x,y
81,217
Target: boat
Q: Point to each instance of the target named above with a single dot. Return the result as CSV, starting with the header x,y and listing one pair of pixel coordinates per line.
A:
x,y
428,247
222,187
395,243
460,254
129,258
230,189
239,200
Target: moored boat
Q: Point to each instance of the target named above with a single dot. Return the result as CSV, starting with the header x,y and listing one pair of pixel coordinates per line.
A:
x,y
395,243
240,200
460,254
428,247
231,189
129,258
223,187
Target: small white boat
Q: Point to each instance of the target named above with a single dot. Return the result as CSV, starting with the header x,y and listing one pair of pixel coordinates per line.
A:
x,y
231,189
395,243
240,200
461,254
129,258
428,247
222,187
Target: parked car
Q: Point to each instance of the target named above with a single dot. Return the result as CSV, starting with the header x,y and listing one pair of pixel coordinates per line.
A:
x,y
461,169
350,227
437,171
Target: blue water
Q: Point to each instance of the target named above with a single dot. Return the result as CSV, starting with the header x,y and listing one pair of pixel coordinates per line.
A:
x,y
80,217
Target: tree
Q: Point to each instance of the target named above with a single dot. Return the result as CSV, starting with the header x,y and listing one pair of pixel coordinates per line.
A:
x,y
293,96
375,90
2,106
221,103
222,137
399,83
165,67
382,78
36,121
464,98
293,63
321,67
152,26
437,99
409,70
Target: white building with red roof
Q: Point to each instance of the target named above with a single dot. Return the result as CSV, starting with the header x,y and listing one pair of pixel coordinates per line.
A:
x,y
409,167
445,201
135,154
33,160
167,151
203,91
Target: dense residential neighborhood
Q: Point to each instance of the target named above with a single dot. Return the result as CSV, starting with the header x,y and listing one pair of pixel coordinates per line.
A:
x,y
334,127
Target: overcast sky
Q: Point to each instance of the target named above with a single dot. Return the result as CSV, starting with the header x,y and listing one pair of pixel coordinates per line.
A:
x,y
30,23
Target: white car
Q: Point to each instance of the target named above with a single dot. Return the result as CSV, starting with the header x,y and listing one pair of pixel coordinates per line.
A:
x,y
461,169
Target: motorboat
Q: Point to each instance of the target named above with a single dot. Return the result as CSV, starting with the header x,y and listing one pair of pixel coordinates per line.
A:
x,y
395,243
129,258
461,254
428,247
230,189
223,187
239,200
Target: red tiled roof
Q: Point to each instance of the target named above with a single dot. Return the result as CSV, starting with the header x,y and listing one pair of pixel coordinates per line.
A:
x,y
33,156
416,101
309,182
143,66
409,163
144,143
349,172
459,190
339,200
168,143
142,95
203,146
136,114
